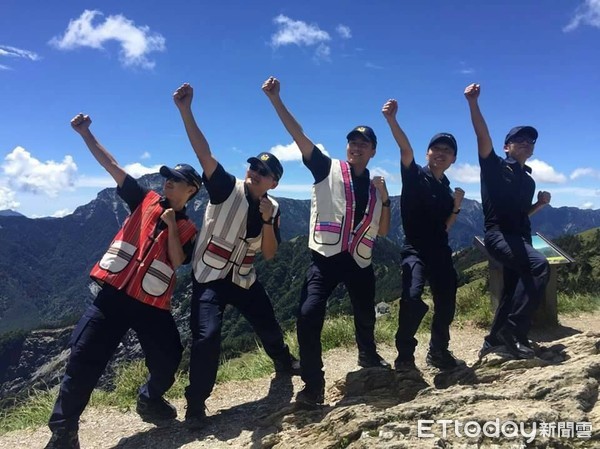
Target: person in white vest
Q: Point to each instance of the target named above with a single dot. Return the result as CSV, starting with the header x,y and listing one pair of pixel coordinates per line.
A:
x,y
348,212
240,220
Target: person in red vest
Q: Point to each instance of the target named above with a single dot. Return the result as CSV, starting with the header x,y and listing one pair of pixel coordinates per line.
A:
x,y
136,277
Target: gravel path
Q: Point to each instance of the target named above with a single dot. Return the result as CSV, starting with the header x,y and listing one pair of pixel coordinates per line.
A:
x,y
238,411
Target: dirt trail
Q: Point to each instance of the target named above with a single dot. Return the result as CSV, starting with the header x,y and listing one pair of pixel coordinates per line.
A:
x,y
241,413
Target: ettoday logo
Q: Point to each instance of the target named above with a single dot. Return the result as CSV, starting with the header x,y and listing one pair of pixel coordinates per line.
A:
x,y
428,428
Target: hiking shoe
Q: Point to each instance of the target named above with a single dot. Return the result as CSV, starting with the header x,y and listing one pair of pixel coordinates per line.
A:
x,y
443,359
405,365
311,396
514,346
195,417
489,348
63,439
158,409
289,366
373,360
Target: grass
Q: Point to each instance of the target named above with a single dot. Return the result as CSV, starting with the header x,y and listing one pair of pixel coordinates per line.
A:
x,y
472,307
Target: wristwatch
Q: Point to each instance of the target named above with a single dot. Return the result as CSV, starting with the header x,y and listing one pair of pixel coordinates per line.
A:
x,y
270,221
456,212
386,203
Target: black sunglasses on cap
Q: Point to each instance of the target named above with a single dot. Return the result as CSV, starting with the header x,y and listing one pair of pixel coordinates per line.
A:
x,y
260,169
522,139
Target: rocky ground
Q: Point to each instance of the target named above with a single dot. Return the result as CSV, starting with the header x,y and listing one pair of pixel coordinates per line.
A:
x,y
376,408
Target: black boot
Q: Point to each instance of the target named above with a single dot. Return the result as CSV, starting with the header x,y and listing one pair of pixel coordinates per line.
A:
x,y
64,439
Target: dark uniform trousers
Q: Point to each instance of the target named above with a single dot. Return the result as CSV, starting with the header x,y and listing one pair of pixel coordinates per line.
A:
x,y
96,338
418,266
208,304
322,277
526,273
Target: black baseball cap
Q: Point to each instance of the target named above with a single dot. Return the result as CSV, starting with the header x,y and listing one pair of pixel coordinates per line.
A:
x,y
446,138
364,131
270,162
527,130
184,172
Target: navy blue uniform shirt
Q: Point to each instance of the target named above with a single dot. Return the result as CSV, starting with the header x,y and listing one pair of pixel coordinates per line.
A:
x,y
506,193
425,205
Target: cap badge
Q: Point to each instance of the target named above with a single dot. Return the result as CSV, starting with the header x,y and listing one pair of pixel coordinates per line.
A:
x,y
264,157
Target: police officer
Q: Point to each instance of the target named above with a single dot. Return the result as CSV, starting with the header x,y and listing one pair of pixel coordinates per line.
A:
x,y
348,211
137,278
507,190
240,221
429,208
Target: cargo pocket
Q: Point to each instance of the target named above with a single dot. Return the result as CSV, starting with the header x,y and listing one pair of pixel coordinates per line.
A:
x,y
247,263
117,257
364,249
157,279
92,315
328,229
217,253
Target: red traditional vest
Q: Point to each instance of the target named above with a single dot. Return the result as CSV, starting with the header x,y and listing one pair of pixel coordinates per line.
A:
x,y
137,262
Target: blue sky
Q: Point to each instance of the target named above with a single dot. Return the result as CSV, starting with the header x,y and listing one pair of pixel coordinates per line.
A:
x,y
338,62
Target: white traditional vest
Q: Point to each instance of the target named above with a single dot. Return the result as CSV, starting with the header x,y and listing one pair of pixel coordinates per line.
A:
x,y
332,227
222,246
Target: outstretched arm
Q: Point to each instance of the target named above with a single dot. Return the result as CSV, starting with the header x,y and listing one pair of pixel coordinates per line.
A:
x,y
271,87
81,124
389,110
543,199
484,141
183,100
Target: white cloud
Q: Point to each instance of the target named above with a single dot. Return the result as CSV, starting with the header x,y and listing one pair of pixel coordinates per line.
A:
x,y
7,199
100,182
543,172
581,172
380,171
28,174
297,32
370,65
587,13
294,188
145,155
301,34
587,205
291,152
136,169
465,69
61,213
323,53
466,173
344,31
577,191
13,52
136,41
7,50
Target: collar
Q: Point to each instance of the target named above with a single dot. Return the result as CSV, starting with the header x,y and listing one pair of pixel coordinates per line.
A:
x,y
510,160
365,174
179,214
444,181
